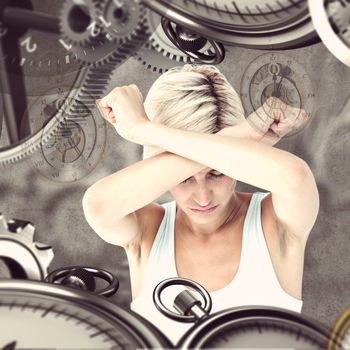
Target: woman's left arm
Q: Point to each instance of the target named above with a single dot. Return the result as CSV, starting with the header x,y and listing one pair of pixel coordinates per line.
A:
x,y
288,178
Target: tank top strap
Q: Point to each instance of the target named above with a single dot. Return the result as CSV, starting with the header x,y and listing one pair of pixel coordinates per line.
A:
x,y
253,240
162,252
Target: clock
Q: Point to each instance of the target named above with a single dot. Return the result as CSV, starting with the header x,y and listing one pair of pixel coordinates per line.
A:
x,y
246,327
77,145
38,315
37,56
272,24
331,19
279,75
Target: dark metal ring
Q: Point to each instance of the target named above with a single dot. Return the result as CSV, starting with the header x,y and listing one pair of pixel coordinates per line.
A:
x,y
215,58
113,282
184,282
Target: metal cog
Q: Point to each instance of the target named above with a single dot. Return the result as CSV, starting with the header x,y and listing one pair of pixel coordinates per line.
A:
x,y
159,54
108,50
162,44
78,25
92,81
25,259
155,61
121,17
340,15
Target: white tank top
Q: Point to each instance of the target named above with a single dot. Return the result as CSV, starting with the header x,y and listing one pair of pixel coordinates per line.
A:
x,y
255,282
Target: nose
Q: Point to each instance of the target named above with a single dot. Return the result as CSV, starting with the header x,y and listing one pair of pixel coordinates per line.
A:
x,y
202,194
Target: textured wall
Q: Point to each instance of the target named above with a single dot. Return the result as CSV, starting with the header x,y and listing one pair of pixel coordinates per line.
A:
x,y
56,211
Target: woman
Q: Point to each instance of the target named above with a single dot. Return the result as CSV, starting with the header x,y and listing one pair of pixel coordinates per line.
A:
x,y
244,248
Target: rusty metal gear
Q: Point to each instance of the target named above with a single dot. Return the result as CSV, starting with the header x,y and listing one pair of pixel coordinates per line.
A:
x,y
25,259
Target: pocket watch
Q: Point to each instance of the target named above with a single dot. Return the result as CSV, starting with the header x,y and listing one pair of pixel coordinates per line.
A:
x,y
246,327
38,315
331,19
272,24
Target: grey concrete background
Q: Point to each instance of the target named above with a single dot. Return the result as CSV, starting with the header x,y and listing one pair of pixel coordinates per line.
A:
x,y
56,211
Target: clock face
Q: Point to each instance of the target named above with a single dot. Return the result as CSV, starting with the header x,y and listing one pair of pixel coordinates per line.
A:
x,y
35,52
277,74
36,57
243,328
252,12
33,61
77,146
38,315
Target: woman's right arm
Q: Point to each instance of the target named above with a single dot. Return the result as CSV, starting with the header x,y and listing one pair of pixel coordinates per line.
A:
x,y
119,207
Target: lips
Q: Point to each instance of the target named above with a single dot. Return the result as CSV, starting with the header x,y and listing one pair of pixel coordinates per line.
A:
x,y
204,210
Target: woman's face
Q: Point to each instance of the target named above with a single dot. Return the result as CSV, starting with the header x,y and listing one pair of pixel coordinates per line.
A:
x,y
204,195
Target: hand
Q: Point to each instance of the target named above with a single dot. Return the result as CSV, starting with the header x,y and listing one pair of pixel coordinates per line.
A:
x,y
287,118
123,108
275,119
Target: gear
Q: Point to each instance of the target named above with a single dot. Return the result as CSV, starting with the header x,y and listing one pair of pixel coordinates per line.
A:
x,y
92,81
121,17
155,61
25,259
78,25
108,49
339,14
159,54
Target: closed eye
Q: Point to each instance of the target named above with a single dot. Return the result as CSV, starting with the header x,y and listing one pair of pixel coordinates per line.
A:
x,y
216,175
188,179
209,175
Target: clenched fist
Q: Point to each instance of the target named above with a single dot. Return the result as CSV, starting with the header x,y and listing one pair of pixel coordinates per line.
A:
x,y
123,108
276,116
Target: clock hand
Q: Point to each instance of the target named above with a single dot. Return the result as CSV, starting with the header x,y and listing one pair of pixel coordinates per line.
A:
x,y
21,17
275,93
284,73
13,88
280,85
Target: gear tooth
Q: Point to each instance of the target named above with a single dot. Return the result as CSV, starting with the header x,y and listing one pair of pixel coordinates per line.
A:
x,y
46,257
3,224
42,254
28,231
159,50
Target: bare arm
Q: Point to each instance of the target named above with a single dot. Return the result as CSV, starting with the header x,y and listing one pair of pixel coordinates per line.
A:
x,y
287,177
115,206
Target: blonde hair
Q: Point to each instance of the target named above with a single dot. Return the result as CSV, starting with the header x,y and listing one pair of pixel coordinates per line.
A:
x,y
195,98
